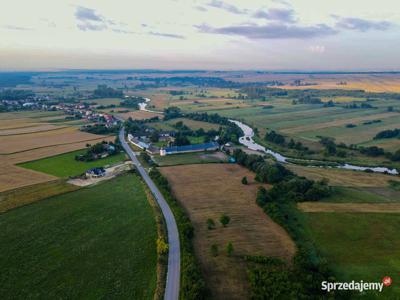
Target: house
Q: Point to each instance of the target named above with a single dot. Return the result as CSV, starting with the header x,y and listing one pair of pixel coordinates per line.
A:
x,y
212,146
95,172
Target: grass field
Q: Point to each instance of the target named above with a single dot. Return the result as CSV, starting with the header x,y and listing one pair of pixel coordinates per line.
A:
x,y
341,177
65,165
95,243
190,158
207,191
361,246
192,124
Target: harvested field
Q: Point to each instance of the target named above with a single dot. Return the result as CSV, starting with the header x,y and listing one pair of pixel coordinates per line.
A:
x,y
139,115
339,122
207,191
38,153
339,177
16,143
312,207
12,177
30,129
24,139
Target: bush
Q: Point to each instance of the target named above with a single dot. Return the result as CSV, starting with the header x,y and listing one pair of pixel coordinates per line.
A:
x,y
224,219
210,224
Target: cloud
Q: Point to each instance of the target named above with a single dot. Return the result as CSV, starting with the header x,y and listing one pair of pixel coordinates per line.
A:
x,y
317,49
12,27
167,35
87,14
272,31
360,24
89,20
227,7
200,8
285,15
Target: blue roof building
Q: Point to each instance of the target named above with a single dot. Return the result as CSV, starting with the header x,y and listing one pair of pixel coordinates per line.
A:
x,y
190,148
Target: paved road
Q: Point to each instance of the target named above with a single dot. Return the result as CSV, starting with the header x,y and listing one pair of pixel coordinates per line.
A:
x,y
174,254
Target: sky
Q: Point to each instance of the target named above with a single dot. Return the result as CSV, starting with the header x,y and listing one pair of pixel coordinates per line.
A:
x,y
307,35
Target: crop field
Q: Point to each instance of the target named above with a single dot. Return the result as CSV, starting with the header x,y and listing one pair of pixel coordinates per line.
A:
x,y
209,190
138,115
65,165
192,124
391,145
338,177
105,101
18,143
29,194
368,82
207,104
191,158
12,177
359,246
27,136
306,122
94,243
392,208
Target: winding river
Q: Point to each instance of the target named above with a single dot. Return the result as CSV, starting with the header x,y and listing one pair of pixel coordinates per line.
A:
x,y
247,140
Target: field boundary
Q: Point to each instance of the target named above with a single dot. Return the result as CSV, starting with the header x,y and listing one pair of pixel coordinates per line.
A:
x,y
316,207
55,145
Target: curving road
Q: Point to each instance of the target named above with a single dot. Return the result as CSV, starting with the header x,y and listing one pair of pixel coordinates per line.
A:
x,y
174,253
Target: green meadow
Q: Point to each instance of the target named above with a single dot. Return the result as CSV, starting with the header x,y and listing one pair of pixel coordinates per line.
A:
x,y
94,243
360,246
65,165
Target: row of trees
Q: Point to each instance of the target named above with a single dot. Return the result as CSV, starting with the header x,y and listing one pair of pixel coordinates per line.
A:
x,y
388,134
103,91
95,151
287,186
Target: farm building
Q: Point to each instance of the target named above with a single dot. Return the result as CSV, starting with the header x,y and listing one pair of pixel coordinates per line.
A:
x,y
189,148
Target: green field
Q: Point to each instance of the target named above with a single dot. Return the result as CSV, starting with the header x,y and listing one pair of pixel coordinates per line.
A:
x,y
94,243
65,165
192,124
190,158
363,195
360,246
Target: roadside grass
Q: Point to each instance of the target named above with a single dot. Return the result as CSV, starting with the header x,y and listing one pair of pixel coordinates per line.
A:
x,y
359,246
190,158
65,165
94,243
32,193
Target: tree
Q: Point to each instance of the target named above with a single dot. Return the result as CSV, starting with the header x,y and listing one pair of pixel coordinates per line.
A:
x,y
224,219
229,249
162,246
154,137
214,250
210,224
244,180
